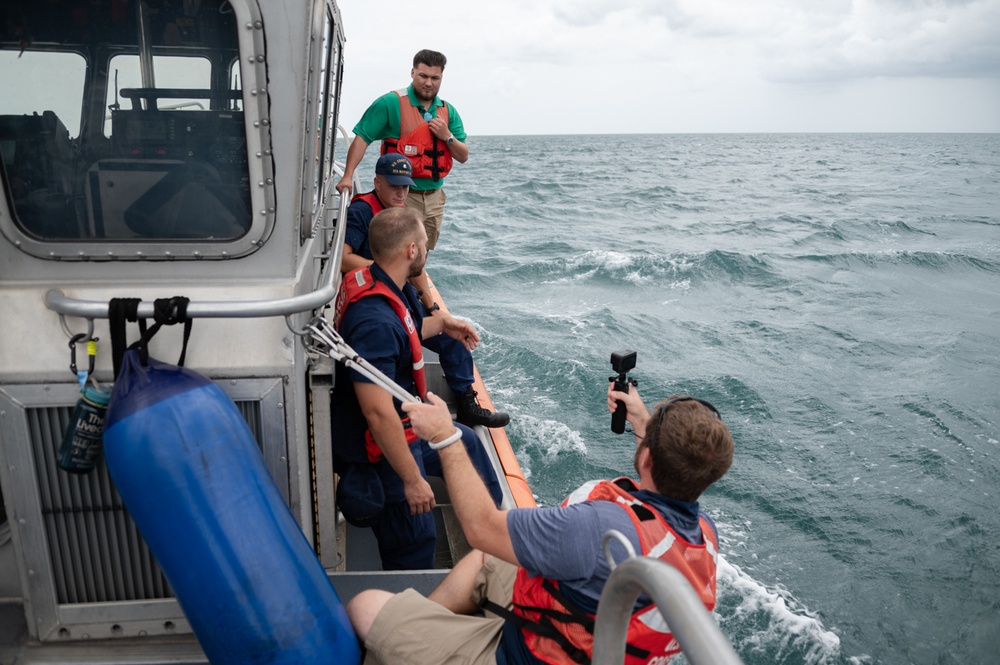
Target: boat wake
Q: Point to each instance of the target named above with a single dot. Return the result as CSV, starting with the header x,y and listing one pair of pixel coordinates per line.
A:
x,y
771,625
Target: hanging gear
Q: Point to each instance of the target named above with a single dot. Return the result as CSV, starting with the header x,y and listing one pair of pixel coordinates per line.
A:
x,y
82,443
82,375
166,311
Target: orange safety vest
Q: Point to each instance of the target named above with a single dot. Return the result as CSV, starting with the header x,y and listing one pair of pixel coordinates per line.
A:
x,y
428,154
371,198
544,608
359,284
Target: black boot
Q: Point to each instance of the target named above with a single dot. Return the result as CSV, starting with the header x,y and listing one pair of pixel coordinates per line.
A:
x,y
470,413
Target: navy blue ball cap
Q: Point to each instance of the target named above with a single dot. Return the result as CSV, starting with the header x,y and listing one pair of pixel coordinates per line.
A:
x,y
395,168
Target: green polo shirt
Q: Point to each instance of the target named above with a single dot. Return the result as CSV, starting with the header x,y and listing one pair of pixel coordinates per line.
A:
x,y
382,121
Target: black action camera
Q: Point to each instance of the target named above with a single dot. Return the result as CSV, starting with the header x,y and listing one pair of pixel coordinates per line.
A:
x,y
621,362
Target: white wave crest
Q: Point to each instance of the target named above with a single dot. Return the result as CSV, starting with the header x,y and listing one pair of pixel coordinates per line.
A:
x,y
551,436
771,621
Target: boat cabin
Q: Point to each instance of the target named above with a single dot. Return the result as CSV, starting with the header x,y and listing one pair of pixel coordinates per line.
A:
x,y
149,149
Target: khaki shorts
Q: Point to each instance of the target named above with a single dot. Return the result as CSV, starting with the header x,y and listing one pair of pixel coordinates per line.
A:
x,y
430,204
411,629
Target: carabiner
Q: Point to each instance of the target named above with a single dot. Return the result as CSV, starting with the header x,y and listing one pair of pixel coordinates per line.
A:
x,y
79,337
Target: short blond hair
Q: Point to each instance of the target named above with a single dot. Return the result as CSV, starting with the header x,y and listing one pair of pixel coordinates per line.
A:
x,y
391,230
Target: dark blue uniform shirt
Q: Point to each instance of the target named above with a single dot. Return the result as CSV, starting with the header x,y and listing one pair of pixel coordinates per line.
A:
x,y
372,329
359,219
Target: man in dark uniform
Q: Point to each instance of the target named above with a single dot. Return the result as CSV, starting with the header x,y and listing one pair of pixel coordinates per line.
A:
x,y
382,465
392,181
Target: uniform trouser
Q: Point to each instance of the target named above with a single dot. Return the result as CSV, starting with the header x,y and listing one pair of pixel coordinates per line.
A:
x,y
407,542
456,361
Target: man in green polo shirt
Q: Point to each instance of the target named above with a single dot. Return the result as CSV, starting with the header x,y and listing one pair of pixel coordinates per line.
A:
x,y
418,124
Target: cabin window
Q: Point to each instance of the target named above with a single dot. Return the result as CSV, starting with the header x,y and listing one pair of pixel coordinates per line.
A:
x,y
332,97
323,134
322,121
123,132
44,80
171,72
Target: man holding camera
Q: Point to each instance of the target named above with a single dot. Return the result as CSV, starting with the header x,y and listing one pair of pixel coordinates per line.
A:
x,y
538,572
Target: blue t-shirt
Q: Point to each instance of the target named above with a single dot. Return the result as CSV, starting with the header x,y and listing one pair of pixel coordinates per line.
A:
x,y
548,542
372,329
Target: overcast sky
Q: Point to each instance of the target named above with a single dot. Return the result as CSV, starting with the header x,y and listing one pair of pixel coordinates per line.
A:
x,y
661,66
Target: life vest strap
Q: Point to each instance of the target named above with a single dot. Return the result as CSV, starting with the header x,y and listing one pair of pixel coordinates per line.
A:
x,y
545,628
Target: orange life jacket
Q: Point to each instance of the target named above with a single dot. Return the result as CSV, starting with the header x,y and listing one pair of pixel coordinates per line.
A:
x,y
545,609
428,154
359,284
371,199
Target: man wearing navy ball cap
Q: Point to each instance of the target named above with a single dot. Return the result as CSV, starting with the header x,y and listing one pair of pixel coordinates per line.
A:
x,y
392,180
395,168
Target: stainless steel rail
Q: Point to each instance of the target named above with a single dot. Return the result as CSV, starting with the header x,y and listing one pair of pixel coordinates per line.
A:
x,y
244,309
700,638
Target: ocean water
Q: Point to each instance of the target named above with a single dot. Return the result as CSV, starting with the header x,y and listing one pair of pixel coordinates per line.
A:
x,y
837,297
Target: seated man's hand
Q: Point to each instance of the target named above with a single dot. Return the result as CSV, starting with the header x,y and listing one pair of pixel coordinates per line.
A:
x,y
462,331
419,496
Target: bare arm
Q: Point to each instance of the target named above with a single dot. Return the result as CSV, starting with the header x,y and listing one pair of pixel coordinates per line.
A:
x,y
484,524
377,407
351,261
354,156
459,151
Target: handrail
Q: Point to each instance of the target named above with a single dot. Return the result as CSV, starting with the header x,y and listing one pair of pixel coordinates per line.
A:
x,y
699,637
245,309
335,249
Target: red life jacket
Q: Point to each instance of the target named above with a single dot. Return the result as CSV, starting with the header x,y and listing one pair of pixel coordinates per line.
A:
x,y
539,601
428,154
359,284
371,199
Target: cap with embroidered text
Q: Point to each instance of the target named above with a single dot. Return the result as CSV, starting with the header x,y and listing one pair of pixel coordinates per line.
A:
x,y
395,168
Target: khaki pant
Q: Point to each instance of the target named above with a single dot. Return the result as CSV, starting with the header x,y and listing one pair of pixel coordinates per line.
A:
x,y
413,630
430,204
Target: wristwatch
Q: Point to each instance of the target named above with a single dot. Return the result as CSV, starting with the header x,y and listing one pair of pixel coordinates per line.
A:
x,y
450,140
433,308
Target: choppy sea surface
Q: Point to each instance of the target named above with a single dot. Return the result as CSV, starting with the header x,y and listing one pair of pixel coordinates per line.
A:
x,y
836,296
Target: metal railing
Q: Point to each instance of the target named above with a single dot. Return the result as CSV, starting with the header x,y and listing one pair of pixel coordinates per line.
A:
x,y
691,624
242,309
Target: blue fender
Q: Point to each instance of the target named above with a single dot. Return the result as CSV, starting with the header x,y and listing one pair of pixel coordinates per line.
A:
x,y
192,477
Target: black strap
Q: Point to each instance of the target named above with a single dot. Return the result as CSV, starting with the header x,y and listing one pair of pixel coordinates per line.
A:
x,y
166,311
434,154
546,628
120,310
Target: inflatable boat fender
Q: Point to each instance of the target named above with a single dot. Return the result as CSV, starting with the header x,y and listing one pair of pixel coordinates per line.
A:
x,y
193,479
